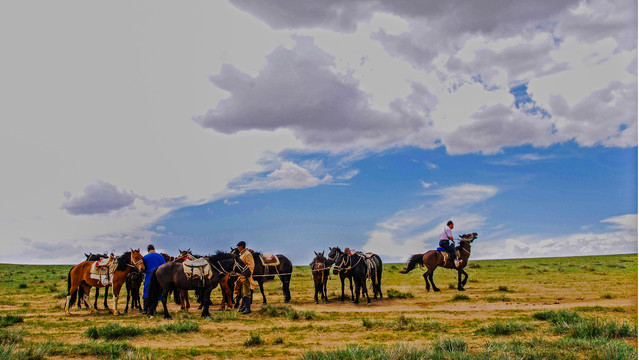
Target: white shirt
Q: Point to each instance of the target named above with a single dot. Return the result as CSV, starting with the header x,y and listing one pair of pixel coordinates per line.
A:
x,y
446,235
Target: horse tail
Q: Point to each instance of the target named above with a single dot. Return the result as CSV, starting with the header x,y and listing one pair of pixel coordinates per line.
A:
x,y
414,260
177,298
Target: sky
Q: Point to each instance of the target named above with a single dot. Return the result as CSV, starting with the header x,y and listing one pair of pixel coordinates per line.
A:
x,y
299,125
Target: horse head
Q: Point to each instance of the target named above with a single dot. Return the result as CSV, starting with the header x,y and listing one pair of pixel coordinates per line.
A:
x,y
340,262
137,259
469,238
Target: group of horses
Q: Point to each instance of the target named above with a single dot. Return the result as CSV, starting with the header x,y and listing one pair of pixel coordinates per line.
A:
x,y
225,267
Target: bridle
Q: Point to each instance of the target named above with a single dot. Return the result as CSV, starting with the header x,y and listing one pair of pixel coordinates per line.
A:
x,y
236,265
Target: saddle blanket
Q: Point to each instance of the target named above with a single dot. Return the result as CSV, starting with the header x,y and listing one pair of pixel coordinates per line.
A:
x,y
269,259
103,270
197,269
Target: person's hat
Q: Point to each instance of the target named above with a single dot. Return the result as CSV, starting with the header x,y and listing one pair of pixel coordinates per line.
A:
x,y
242,244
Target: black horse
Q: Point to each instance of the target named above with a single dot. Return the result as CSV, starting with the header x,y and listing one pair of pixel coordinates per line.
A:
x,y
263,273
361,267
320,276
133,281
171,276
80,295
343,274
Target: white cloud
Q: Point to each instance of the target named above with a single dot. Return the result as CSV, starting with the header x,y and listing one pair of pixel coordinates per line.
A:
x,y
417,229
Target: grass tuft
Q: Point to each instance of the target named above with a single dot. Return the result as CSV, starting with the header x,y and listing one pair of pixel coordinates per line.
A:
x,y
460,297
255,339
504,328
9,320
396,294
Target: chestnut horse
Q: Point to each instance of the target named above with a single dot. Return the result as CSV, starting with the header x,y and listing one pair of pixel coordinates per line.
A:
x,y
80,275
433,258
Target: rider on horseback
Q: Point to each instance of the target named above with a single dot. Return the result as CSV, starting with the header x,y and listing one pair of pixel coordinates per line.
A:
x,y
444,239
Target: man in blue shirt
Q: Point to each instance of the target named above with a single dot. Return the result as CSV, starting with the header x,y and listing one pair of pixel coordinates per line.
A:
x,y
151,261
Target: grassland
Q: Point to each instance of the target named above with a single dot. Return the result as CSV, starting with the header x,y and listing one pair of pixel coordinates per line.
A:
x,y
563,308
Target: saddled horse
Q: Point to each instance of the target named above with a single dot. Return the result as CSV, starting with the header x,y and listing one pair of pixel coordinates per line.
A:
x,y
80,295
332,255
133,282
171,276
361,266
373,265
261,273
320,276
434,258
80,275
181,297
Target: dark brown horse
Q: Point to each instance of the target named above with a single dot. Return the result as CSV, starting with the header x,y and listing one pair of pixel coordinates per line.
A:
x,y
133,281
181,297
263,273
320,276
434,258
80,275
332,255
171,276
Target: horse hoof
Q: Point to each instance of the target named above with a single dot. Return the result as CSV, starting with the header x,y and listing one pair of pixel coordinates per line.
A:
x,y
461,289
317,302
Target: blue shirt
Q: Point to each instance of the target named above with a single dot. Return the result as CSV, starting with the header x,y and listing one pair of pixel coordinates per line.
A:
x,y
151,261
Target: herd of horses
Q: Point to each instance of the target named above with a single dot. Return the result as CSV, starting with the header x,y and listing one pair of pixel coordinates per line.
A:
x,y
223,269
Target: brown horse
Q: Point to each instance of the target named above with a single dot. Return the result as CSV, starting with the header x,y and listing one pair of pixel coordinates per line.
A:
x,y
320,275
434,258
80,275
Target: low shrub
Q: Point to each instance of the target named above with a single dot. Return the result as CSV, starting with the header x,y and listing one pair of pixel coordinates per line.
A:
x,y
9,320
460,297
396,294
254,339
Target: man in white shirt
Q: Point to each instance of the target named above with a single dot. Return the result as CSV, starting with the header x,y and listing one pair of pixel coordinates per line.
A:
x,y
444,239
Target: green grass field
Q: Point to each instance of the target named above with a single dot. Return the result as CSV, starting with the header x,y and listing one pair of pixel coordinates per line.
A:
x,y
550,308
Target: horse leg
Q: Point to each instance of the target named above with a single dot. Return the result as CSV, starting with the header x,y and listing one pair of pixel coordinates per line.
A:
x,y
87,296
317,285
261,283
165,295
430,277
106,297
97,296
116,295
357,289
425,275
206,300
128,296
350,283
286,284
342,279
460,282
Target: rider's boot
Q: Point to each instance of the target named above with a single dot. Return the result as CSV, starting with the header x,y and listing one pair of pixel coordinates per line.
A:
x,y
247,307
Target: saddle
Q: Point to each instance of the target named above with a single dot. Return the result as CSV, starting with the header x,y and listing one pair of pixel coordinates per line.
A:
x,y
446,255
198,269
269,259
103,270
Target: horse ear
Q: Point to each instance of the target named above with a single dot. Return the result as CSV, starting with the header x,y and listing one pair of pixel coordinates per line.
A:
x,y
322,253
315,252
188,250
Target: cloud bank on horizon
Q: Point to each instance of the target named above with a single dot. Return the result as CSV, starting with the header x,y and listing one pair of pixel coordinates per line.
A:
x,y
110,132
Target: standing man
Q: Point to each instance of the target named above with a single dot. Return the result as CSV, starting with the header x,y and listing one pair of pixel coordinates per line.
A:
x,y
247,285
444,239
151,261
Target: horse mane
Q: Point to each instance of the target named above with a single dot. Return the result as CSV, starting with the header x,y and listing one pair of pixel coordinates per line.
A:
x,y
123,261
221,255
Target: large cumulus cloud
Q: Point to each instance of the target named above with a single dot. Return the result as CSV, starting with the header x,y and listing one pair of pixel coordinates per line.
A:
x,y
299,90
